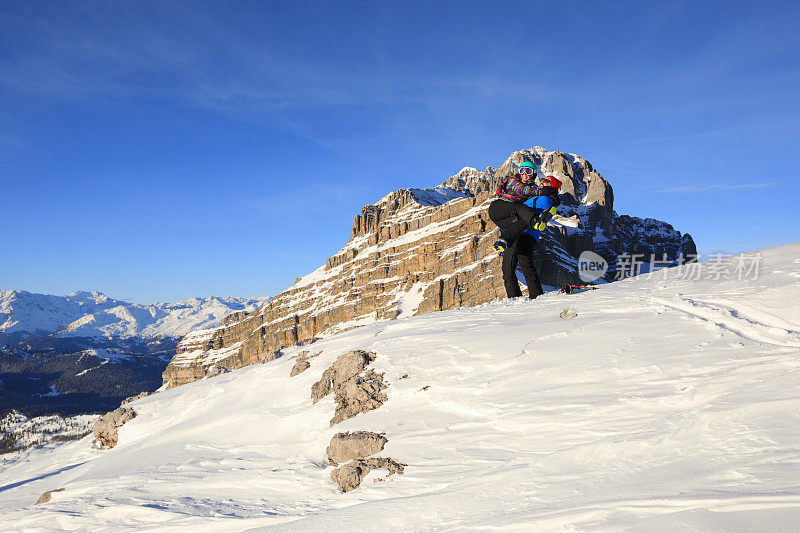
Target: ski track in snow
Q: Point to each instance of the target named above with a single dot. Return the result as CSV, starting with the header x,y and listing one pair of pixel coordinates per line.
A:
x,y
666,405
724,314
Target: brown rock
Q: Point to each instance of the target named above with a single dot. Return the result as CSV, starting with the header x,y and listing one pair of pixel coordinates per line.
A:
x,y
359,395
300,366
105,428
349,476
44,498
354,391
347,366
345,447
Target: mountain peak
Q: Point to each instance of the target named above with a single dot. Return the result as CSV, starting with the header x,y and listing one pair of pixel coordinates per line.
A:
x,y
415,251
87,294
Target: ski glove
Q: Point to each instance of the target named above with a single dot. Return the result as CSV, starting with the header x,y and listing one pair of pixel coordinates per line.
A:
x,y
540,221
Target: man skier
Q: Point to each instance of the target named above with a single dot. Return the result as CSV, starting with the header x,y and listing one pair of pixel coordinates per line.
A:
x,y
522,251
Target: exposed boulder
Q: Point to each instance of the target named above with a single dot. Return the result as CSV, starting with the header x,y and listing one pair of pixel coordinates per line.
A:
x,y
44,498
349,476
359,395
348,446
105,429
301,365
347,366
354,391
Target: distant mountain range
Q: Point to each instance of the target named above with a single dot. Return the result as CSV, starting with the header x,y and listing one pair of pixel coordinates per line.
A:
x,y
25,315
86,352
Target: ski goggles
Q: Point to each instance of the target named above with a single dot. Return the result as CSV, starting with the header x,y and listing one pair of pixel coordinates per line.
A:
x,y
530,171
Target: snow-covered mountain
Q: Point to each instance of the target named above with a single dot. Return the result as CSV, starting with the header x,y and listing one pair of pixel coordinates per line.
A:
x,y
669,403
25,315
85,352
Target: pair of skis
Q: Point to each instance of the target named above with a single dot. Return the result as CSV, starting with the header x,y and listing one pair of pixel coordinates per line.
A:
x,y
567,289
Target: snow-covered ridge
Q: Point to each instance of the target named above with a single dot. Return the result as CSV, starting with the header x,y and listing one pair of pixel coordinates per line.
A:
x,y
93,314
669,403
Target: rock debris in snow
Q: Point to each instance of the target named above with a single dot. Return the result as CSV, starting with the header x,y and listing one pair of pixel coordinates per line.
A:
x,y
568,313
44,498
105,429
301,365
348,446
350,475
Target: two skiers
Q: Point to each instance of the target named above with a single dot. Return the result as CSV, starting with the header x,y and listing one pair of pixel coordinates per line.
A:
x,y
521,212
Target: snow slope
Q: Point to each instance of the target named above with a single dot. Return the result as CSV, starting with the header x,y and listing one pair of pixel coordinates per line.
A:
x,y
666,404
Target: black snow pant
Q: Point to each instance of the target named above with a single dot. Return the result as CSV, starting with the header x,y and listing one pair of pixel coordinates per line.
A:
x,y
512,219
521,252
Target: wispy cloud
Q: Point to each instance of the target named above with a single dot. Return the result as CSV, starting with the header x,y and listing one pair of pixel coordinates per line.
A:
x,y
110,54
703,187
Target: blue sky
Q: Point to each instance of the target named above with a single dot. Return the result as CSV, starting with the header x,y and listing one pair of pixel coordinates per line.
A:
x,y
164,150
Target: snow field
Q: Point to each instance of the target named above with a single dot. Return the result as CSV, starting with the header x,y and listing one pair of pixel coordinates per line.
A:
x,y
666,404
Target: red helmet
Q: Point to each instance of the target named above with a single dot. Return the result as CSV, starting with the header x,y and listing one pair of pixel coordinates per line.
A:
x,y
554,182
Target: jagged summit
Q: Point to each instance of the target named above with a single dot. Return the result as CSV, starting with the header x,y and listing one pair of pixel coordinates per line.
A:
x,y
420,250
94,295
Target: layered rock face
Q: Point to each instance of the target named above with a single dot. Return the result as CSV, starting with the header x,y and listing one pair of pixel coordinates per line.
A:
x,y
421,250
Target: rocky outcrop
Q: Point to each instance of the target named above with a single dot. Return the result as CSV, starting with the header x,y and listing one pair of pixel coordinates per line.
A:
x,y
300,365
348,446
355,390
417,251
105,429
358,395
44,498
350,476
270,356
215,370
346,367
130,399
